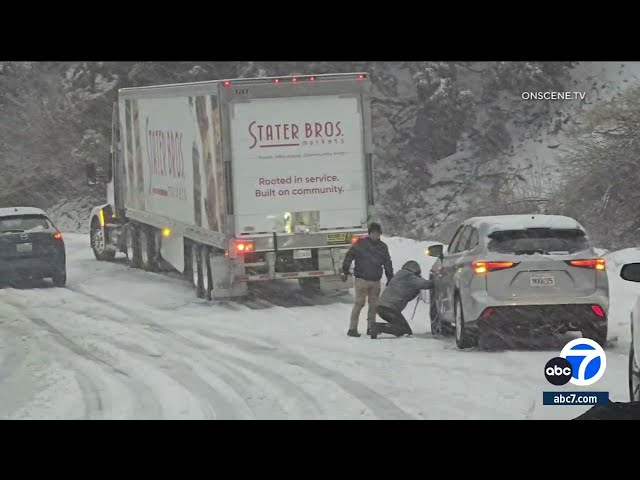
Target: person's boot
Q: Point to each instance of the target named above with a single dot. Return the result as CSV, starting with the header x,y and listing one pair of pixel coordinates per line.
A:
x,y
373,332
353,333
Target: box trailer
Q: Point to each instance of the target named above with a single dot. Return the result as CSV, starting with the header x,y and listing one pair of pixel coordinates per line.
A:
x,y
239,181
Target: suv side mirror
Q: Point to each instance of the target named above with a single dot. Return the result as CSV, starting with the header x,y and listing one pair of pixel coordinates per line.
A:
x,y
631,272
92,175
436,251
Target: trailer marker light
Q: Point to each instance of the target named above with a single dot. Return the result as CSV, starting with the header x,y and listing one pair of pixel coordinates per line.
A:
x,y
313,79
226,83
277,80
294,79
102,218
166,232
57,236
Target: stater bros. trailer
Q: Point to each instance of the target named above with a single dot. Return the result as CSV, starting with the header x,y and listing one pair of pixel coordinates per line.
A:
x,y
237,181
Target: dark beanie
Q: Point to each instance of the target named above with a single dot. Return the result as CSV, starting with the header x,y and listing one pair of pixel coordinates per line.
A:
x,y
375,227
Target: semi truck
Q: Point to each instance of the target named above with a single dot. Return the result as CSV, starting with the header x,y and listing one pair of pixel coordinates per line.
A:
x,y
236,181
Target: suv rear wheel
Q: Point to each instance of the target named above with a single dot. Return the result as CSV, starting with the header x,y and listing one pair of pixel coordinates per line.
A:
x,y
59,278
463,339
597,334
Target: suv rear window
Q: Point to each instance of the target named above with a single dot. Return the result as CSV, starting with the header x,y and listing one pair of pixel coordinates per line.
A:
x,y
538,240
24,223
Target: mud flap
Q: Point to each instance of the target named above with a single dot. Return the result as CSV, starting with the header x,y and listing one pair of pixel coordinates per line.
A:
x,y
223,271
331,259
172,251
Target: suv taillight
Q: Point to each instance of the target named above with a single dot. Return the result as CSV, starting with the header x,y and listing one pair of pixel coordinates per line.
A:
x,y
595,263
484,267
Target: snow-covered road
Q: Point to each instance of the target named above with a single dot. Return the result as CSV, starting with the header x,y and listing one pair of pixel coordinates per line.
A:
x,y
120,343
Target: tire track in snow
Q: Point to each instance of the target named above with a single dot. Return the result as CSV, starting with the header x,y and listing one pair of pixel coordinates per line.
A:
x,y
178,373
245,382
280,382
381,406
92,397
182,372
289,388
94,405
215,404
16,383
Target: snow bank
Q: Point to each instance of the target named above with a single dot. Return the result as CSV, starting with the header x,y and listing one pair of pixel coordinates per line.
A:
x,y
404,249
72,215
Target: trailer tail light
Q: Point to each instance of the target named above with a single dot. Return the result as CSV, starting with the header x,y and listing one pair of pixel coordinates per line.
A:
x,y
243,246
595,263
226,83
57,236
597,310
312,79
486,313
356,238
277,80
294,79
360,77
485,267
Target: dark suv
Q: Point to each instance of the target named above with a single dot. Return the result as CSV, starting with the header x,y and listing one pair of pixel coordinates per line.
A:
x,y
31,247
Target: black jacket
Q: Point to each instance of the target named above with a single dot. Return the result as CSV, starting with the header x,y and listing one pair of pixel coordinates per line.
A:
x,y
370,258
404,287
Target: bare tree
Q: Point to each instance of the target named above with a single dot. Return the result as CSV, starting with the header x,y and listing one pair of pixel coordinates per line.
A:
x,y
602,186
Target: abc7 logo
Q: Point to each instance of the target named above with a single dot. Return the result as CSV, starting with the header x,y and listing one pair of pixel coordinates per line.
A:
x,y
581,362
558,371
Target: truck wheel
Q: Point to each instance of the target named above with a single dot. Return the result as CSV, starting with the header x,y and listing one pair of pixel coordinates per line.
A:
x,y
463,339
207,276
99,243
133,245
196,262
147,242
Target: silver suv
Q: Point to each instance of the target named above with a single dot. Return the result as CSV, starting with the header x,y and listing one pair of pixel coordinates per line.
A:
x,y
537,274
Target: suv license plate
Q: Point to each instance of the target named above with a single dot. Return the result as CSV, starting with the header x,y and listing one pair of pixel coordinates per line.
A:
x,y
24,247
543,281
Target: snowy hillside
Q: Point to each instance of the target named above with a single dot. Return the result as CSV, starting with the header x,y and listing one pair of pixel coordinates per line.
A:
x,y
72,215
529,163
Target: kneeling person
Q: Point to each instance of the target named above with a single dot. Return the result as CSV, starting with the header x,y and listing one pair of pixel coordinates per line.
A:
x,y
401,289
